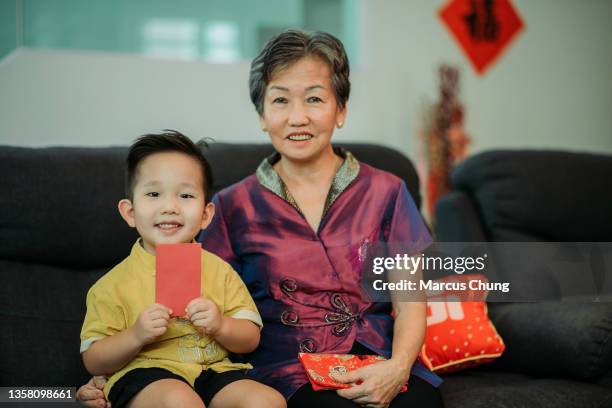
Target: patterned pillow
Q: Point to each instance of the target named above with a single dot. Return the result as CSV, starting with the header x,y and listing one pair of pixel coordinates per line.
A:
x,y
459,333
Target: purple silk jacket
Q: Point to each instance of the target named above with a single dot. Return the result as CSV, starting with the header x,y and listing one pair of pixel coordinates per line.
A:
x,y
306,284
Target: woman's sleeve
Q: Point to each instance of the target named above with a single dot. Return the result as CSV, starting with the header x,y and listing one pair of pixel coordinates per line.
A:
x,y
407,231
216,238
238,301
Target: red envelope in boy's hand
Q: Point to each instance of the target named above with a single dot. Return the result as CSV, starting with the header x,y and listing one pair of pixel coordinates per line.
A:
x,y
178,275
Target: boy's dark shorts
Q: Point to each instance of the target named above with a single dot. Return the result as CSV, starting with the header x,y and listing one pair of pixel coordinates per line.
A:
x,y
206,385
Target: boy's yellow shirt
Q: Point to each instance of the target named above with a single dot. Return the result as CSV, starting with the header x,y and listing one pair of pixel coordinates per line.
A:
x,y
115,301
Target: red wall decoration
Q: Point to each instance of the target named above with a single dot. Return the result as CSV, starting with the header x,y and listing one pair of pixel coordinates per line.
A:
x,y
483,28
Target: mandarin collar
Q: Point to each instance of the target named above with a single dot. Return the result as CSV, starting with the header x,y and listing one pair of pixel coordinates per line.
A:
x,y
146,259
271,180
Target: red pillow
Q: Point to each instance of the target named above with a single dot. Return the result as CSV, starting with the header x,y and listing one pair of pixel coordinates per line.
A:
x,y
459,333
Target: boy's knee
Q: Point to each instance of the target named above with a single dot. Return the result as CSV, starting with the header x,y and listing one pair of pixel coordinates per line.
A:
x,y
182,397
270,398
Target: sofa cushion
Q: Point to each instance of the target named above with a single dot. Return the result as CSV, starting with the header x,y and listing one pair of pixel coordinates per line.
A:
x,y
459,332
61,206
457,219
570,340
41,313
529,195
481,388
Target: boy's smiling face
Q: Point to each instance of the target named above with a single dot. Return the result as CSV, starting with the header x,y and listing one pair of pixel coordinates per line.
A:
x,y
168,205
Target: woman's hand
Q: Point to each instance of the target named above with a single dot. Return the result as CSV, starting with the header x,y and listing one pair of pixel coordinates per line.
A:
x,y
91,395
377,384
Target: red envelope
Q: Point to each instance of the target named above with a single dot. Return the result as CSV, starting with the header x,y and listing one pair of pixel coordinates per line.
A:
x,y
319,368
177,275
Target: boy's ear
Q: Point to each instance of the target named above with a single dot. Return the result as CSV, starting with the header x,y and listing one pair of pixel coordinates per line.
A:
x,y
126,209
209,213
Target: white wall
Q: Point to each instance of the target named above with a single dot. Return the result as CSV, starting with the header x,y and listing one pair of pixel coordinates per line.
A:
x,y
551,89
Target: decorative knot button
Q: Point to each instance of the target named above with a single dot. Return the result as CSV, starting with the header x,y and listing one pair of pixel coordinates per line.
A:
x,y
290,317
289,285
308,346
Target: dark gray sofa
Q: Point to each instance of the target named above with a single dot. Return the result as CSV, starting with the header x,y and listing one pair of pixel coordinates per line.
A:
x,y
60,231
559,354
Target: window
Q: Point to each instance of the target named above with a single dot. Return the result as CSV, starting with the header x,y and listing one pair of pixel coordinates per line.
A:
x,y
220,32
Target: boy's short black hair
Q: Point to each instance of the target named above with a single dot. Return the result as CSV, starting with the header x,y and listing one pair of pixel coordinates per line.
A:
x,y
168,141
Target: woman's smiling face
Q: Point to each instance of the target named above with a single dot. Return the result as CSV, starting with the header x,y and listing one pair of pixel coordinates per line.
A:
x,y
300,110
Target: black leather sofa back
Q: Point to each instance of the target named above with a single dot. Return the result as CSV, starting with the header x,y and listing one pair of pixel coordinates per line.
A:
x,y
60,231
531,195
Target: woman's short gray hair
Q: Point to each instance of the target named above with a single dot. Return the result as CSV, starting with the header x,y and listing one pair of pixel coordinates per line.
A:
x,y
288,47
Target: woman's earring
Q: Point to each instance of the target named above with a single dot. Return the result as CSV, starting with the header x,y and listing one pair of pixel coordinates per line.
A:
x,y
340,124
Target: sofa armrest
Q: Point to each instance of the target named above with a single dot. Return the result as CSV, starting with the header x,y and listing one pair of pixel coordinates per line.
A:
x,y
571,340
457,219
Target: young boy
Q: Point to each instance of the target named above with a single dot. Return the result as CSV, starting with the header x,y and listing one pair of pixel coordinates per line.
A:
x,y
154,360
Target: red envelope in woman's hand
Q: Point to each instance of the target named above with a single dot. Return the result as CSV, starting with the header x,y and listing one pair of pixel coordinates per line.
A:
x,y
319,368
177,275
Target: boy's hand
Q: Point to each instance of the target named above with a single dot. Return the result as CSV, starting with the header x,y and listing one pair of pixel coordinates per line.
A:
x,y
151,323
205,315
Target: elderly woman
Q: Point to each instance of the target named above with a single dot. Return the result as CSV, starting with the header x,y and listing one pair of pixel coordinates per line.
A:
x,y
293,231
